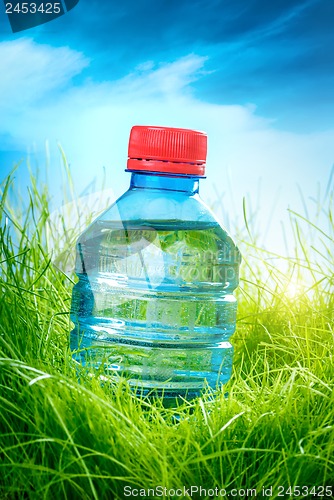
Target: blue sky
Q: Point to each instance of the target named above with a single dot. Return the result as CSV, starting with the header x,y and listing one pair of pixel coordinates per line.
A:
x,y
257,76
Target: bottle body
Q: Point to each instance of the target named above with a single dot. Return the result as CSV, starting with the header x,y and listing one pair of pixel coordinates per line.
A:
x,y
154,302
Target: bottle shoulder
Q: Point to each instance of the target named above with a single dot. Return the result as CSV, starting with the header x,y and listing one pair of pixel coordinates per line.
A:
x,y
160,210
139,204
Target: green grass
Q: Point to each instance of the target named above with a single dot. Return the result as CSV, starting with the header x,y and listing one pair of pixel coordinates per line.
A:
x,y
65,439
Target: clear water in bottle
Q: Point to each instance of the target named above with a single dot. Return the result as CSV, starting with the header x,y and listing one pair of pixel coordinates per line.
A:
x,y
156,305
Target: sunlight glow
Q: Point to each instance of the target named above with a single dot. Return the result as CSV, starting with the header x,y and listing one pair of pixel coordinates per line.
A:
x,y
294,289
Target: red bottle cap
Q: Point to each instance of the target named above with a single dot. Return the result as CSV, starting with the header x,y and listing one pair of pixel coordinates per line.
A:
x,y
169,150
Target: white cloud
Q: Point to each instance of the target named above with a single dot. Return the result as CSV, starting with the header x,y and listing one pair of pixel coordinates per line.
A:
x,y
166,80
29,71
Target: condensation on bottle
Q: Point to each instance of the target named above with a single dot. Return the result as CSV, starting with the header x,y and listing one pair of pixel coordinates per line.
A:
x,y
154,301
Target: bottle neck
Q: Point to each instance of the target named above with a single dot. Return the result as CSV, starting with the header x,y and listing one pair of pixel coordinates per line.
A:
x,y
152,180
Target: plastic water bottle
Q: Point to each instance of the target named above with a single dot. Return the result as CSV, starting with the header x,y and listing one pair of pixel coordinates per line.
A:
x,y
154,302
